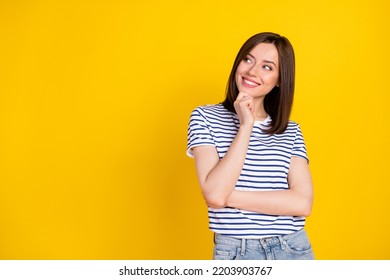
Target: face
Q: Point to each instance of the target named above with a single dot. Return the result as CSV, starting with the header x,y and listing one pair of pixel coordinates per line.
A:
x,y
258,73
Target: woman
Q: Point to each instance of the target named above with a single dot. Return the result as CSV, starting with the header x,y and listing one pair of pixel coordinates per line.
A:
x,y
251,160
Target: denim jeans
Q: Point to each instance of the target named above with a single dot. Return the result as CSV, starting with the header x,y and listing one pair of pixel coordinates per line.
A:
x,y
295,246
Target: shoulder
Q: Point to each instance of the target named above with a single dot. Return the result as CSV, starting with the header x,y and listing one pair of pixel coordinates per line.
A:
x,y
212,108
292,125
211,111
292,128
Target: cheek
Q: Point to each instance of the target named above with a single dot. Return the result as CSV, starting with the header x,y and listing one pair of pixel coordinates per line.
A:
x,y
237,75
273,79
241,68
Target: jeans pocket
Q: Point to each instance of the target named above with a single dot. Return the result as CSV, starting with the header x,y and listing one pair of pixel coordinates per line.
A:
x,y
298,244
225,252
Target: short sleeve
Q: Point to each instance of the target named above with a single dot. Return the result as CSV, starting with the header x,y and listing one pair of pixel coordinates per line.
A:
x,y
299,148
198,131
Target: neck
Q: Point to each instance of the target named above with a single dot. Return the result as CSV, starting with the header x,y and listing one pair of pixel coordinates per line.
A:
x,y
260,113
261,117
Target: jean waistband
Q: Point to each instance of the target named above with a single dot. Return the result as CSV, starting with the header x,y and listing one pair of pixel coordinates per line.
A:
x,y
255,241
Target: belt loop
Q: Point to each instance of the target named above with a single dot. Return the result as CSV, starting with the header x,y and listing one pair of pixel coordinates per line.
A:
x,y
243,246
282,242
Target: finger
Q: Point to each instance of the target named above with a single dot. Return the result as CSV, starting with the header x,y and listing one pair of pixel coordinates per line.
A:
x,y
244,103
241,95
253,109
251,106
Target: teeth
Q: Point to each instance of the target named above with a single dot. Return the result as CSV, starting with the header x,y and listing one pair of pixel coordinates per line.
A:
x,y
250,83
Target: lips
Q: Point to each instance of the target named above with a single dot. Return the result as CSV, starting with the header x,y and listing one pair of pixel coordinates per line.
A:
x,y
249,83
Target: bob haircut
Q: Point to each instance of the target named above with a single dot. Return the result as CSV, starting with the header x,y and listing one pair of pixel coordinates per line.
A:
x,y
278,102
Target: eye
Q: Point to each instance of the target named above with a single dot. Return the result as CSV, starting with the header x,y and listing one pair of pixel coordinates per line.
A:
x,y
247,59
267,67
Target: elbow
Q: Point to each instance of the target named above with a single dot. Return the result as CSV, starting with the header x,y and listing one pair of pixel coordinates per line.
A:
x,y
306,207
215,201
306,212
214,197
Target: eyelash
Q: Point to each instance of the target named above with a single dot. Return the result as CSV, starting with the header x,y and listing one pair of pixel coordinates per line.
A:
x,y
266,67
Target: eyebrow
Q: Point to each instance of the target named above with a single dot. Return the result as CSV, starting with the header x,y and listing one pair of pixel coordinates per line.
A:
x,y
266,61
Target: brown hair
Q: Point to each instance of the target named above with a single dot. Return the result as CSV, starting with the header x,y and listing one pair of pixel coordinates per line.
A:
x,y
278,102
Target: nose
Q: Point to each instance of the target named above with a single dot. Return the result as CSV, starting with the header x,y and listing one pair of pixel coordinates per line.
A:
x,y
253,70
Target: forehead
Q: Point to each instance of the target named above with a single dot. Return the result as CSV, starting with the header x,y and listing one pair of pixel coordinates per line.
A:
x,y
265,51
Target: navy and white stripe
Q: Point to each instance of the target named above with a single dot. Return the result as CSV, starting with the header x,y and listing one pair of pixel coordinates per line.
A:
x,y
265,169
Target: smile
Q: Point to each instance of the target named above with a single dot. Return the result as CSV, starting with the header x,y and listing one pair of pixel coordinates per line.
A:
x,y
249,83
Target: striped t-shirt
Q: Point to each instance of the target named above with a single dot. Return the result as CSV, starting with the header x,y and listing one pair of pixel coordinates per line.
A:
x,y
265,169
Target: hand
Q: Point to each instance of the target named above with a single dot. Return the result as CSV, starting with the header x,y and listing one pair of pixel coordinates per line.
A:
x,y
245,109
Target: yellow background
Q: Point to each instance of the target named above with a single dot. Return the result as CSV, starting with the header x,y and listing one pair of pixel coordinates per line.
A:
x,y
95,98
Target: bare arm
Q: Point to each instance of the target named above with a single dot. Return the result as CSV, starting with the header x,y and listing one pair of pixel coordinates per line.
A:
x,y
296,201
218,178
